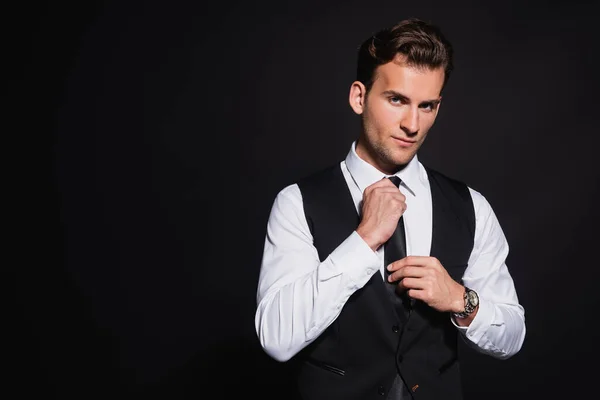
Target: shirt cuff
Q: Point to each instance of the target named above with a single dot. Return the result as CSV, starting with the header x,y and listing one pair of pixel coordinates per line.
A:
x,y
482,321
355,258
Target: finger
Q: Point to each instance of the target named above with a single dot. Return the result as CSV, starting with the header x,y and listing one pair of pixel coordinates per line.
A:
x,y
397,195
387,189
416,294
384,186
411,283
415,261
396,265
424,262
407,272
434,262
418,260
391,188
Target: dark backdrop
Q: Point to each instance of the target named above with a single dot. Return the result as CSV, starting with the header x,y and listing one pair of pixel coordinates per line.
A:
x,y
157,134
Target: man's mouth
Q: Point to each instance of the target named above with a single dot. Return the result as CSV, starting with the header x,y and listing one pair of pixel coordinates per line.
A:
x,y
404,142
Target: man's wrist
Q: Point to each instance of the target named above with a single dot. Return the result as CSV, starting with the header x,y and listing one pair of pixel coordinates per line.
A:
x,y
458,305
372,242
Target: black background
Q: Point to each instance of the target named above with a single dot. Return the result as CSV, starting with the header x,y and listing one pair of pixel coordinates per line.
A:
x,y
155,136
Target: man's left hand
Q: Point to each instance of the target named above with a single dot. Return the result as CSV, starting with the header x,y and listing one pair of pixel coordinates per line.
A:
x,y
426,279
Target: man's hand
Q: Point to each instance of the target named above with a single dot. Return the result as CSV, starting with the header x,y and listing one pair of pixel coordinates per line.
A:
x,y
382,206
425,279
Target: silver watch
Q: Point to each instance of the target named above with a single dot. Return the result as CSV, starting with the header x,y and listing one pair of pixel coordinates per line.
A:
x,y
471,303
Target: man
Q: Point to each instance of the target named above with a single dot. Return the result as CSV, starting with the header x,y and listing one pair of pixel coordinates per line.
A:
x,y
367,282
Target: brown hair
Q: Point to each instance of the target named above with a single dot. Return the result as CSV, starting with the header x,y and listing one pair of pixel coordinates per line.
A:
x,y
422,43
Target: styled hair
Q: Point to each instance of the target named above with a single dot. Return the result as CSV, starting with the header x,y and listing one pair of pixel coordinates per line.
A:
x,y
422,43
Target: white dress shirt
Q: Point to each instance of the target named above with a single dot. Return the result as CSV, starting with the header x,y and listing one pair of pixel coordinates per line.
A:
x,y
299,296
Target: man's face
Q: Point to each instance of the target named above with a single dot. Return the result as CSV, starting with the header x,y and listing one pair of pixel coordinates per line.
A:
x,y
397,113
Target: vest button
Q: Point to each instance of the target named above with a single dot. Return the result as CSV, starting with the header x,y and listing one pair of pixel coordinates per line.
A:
x,y
380,390
400,358
395,328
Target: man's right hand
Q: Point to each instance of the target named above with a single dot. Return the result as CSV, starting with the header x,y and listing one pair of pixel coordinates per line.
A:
x,y
382,206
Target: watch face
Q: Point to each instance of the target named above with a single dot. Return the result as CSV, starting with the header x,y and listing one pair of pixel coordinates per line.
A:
x,y
473,298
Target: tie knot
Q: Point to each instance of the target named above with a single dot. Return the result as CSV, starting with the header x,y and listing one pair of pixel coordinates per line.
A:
x,y
395,180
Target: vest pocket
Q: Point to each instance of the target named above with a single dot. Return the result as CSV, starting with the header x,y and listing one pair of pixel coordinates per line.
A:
x,y
326,367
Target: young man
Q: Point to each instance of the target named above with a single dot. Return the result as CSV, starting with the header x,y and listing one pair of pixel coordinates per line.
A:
x,y
374,267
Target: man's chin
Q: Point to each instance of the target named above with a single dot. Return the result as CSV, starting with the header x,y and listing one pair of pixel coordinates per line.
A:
x,y
403,160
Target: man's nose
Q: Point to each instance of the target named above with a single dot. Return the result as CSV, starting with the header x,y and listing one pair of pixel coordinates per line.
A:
x,y
410,121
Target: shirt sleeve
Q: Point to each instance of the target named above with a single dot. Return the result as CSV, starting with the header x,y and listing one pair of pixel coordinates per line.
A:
x,y
498,329
299,296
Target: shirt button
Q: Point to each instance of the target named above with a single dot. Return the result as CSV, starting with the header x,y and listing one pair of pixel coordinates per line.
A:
x,y
380,390
395,328
369,271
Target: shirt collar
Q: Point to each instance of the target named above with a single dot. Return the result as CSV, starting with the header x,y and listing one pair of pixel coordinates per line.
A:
x,y
365,174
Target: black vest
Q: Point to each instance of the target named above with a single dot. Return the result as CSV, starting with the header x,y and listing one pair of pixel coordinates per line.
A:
x,y
360,353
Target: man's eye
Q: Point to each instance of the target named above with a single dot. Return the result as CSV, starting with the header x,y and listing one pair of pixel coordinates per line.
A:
x,y
395,100
427,106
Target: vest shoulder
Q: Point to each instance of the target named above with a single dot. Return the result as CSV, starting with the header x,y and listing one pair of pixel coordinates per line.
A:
x,y
456,193
436,174
448,184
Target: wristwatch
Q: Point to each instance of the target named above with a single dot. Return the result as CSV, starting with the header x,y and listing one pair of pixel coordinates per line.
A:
x,y
471,303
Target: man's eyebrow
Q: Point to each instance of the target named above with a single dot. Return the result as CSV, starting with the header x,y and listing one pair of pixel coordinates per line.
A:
x,y
403,97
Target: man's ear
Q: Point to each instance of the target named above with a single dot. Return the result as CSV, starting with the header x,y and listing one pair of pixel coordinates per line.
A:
x,y
358,95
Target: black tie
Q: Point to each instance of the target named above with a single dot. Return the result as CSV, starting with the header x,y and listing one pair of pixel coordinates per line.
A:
x,y
394,250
